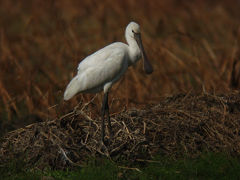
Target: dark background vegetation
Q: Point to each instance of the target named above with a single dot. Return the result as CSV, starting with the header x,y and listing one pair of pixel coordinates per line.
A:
x,y
193,46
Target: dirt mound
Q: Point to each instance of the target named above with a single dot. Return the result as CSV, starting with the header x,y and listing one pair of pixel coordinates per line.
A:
x,y
178,125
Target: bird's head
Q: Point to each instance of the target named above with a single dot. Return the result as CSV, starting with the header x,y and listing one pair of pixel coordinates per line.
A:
x,y
133,30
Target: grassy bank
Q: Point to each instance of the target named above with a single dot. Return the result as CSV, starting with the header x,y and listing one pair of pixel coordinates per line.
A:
x,y
207,166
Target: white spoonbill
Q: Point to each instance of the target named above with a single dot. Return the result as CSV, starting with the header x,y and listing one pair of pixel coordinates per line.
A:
x,y
103,68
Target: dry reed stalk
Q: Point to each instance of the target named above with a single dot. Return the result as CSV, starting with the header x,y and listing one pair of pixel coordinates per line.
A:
x,y
210,52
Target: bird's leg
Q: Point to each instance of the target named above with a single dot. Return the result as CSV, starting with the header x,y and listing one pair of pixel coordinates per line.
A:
x,y
105,99
108,118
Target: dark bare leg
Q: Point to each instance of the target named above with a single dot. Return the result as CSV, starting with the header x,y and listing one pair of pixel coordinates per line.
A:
x,y
108,118
105,101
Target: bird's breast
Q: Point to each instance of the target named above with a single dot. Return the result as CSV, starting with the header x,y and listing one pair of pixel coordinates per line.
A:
x,y
134,57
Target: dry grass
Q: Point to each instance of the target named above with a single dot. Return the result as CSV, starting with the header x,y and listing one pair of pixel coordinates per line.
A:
x,y
177,126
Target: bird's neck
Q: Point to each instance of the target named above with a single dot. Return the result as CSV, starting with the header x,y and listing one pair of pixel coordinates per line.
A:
x,y
134,51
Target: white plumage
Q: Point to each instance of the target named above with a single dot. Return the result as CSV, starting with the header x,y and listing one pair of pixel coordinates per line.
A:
x,y
99,70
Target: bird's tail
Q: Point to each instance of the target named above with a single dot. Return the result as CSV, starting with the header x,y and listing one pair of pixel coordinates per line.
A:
x,y
72,88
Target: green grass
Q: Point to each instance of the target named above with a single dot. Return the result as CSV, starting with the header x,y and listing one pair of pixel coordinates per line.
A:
x,y
208,166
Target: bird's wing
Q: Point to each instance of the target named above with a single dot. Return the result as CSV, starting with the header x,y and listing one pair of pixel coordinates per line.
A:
x,y
100,56
95,76
108,70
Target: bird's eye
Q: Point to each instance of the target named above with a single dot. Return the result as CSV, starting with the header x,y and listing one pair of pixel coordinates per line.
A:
x,y
133,31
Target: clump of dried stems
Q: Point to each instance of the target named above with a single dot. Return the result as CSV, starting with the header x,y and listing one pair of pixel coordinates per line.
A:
x,y
185,124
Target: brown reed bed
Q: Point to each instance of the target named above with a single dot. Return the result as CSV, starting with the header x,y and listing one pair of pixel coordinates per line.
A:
x,y
192,45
